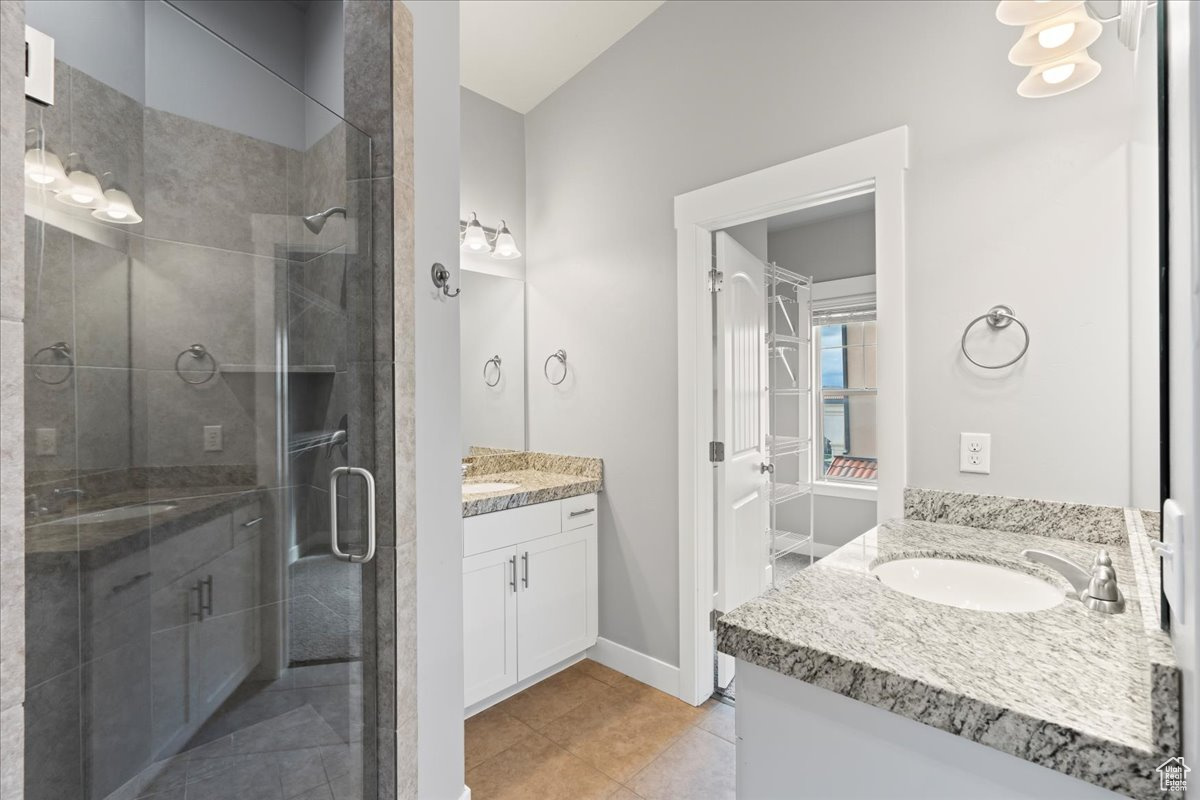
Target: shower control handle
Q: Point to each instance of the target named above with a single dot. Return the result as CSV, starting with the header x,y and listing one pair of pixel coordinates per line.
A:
x,y
366,475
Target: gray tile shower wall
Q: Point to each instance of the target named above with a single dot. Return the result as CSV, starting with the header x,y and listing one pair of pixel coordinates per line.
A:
x,y
12,456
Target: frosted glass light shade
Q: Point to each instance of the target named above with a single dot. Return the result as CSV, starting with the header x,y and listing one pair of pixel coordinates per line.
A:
x,y
44,170
1029,12
1068,33
118,208
506,245
1059,77
474,237
82,191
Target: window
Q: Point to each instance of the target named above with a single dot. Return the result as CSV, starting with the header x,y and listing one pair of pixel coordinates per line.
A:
x,y
845,347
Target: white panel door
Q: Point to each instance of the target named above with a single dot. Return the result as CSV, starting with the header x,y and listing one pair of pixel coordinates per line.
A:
x,y
556,605
742,421
489,623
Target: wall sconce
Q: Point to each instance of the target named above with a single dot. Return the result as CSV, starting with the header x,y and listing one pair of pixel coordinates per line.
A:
x,y
475,238
1055,39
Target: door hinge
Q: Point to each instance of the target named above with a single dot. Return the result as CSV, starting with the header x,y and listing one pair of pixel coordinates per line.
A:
x,y
716,452
712,619
715,277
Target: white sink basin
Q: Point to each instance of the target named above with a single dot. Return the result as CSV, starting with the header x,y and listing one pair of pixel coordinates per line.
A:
x,y
968,584
118,514
480,488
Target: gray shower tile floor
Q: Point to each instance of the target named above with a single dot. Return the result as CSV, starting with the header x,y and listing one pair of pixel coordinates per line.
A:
x,y
288,739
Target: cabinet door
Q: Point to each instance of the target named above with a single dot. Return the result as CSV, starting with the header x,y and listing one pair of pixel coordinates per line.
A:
x,y
489,623
227,637
556,606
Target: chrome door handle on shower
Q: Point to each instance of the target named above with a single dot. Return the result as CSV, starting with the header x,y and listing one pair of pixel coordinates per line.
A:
x,y
366,475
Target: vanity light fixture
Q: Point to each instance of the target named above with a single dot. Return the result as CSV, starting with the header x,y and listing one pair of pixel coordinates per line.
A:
x,y
44,170
1055,39
475,238
82,190
118,208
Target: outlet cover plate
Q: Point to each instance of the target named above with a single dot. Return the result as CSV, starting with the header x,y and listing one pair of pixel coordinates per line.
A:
x,y
975,453
212,438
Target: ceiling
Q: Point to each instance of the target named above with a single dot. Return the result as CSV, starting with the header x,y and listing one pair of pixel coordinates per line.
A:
x,y
517,52
806,216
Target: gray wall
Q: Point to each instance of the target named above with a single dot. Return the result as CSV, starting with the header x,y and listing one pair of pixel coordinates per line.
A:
x,y
1008,200
493,176
841,247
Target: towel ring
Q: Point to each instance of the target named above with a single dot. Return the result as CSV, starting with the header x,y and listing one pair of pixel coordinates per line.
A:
x,y
998,318
493,360
62,349
561,356
198,352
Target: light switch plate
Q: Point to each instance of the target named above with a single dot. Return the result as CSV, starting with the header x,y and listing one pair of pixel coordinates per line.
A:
x,y
39,66
975,453
212,438
46,441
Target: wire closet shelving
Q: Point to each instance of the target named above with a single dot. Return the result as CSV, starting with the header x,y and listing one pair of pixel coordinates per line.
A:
x,y
790,388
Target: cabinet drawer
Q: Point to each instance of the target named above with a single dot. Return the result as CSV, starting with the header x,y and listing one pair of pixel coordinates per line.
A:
x,y
506,528
579,511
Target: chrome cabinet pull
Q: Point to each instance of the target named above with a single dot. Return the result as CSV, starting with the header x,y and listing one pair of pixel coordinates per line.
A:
x,y
252,522
198,614
513,562
206,606
333,516
581,512
525,563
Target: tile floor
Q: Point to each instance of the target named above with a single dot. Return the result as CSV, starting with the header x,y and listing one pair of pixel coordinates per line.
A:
x,y
590,732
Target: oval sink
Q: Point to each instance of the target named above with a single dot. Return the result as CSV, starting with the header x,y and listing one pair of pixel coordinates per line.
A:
x,y
480,488
119,514
968,584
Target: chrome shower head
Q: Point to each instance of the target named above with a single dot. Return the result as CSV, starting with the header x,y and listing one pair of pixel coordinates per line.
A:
x,y
315,222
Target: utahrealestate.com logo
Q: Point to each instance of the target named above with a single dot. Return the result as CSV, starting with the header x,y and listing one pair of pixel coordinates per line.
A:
x,y
1172,775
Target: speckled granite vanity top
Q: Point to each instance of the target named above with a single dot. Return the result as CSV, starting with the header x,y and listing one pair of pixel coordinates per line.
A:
x,y
539,478
1092,695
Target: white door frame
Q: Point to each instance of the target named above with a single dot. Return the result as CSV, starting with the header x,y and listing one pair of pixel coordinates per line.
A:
x,y
875,163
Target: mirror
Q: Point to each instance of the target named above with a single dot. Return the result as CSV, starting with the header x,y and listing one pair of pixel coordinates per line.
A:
x,y
492,350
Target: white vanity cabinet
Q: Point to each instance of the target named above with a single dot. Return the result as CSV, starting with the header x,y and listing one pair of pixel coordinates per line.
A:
x,y
529,592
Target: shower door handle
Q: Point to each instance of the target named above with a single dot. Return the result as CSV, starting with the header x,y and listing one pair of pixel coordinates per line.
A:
x,y
333,513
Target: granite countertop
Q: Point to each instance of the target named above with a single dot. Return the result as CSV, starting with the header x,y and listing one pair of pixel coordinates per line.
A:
x,y
100,541
540,478
1092,695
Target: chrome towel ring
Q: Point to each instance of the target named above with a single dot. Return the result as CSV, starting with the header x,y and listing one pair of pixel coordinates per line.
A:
x,y
199,352
60,349
561,357
998,318
493,360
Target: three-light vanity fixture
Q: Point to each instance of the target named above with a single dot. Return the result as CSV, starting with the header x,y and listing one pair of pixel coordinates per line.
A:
x,y
74,186
499,242
1055,39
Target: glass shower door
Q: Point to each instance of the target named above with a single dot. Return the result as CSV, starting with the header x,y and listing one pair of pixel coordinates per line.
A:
x,y
199,365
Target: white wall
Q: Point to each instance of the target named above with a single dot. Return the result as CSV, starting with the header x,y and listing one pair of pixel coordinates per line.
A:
x,y
492,324
439,501
1008,200
828,250
493,177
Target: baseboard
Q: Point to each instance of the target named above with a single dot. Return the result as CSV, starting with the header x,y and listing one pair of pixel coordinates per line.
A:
x,y
466,795
637,665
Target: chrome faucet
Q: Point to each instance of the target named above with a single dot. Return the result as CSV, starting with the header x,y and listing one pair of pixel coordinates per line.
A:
x,y
1096,589
62,494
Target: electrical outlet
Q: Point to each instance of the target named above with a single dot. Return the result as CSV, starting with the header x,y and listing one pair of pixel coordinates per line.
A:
x,y
46,441
975,453
212,438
